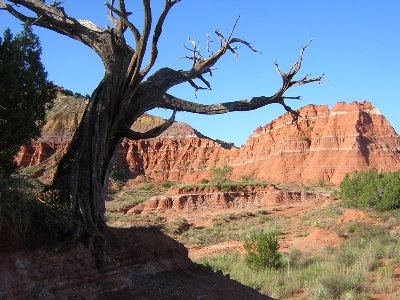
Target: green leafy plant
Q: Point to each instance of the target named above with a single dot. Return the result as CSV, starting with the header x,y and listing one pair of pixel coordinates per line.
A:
x,y
221,175
147,187
204,181
247,178
168,184
262,250
371,190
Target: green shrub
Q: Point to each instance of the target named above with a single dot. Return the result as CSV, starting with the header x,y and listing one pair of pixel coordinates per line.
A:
x,y
147,187
386,272
247,178
391,194
221,175
205,181
371,190
25,210
347,257
299,260
168,184
67,92
179,225
334,286
262,250
119,175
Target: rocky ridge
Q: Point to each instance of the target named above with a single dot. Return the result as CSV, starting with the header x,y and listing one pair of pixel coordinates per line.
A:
x,y
213,198
323,146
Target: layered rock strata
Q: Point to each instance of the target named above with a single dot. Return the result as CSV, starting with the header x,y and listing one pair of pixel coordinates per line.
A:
x,y
324,145
211,199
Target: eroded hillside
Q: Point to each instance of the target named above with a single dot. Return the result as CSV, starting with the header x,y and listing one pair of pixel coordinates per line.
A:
x,y
324,145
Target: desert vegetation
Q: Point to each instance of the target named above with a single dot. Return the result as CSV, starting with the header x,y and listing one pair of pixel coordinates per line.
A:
x,y
364,260
362,266
28,215
371,190
364,263
25,94
262,250
221,179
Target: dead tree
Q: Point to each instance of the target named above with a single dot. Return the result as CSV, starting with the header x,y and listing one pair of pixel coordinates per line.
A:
x,y
124,94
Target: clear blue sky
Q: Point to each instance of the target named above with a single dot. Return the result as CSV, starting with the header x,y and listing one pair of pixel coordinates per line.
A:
x,y
356,43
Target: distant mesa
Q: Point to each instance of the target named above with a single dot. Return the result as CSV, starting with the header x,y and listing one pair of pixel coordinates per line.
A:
x,y
324,145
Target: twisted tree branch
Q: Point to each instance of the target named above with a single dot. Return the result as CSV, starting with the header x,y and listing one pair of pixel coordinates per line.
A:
x,y
169,101
156,35
123,19
152,133
53,17
200,65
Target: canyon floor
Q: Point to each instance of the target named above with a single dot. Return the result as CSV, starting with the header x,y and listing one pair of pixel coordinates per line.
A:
x,y
318,236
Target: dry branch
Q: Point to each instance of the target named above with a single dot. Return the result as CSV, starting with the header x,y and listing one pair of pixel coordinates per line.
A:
x,y
152,133
171,102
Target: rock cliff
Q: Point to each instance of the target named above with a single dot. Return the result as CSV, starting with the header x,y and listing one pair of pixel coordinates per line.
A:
x,y
323,146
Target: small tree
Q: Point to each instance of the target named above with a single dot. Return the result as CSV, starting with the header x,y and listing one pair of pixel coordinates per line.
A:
x,y
25,94
391,193
262,250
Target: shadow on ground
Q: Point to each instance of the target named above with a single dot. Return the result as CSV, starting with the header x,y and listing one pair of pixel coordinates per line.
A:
x,y
140,263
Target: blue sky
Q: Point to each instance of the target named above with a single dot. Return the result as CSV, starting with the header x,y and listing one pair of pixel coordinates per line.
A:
x,y
356,44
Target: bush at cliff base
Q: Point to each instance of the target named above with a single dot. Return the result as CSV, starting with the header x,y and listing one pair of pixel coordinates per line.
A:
x,y
262,250
371,190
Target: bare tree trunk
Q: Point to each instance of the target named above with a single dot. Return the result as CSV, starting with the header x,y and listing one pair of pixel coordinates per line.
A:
x,y
83,173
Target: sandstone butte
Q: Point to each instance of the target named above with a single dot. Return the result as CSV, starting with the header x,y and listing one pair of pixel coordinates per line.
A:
x,y
325,144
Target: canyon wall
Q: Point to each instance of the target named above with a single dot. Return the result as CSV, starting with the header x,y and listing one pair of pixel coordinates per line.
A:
x,y
323,145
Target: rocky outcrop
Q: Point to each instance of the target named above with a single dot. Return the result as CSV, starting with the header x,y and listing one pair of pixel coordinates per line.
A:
x,y
212,198
171,159
324,145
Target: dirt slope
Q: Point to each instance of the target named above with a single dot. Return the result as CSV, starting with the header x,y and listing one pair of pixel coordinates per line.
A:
x,y
140,264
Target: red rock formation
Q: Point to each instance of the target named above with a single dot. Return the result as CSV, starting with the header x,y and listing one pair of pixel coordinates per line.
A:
x,y
324,145
171,159
211,199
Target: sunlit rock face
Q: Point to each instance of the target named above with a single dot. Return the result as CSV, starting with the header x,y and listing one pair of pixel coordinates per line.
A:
x,y
323,145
